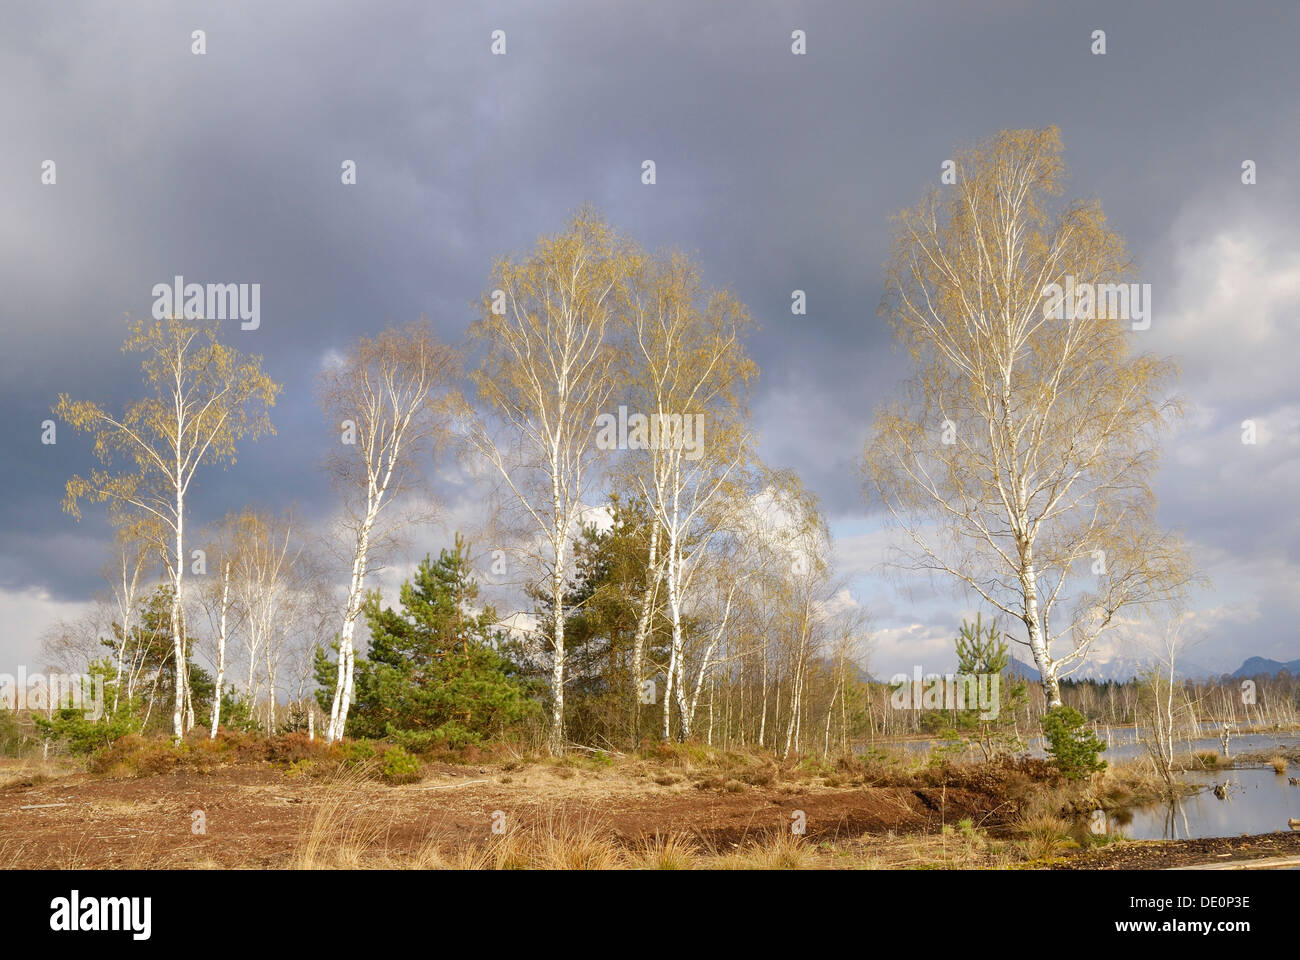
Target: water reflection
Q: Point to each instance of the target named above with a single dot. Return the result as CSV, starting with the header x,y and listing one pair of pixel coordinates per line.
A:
x,y
1256,801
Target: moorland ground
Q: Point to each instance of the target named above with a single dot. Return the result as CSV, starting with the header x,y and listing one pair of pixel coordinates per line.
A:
x,y
286,802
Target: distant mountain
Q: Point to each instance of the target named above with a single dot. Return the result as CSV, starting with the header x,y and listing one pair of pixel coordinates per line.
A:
x,y
1113,670
1121,670
1024,670
1264,667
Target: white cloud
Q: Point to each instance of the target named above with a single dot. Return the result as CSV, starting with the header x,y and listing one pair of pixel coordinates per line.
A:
x,y
29,614
1230,318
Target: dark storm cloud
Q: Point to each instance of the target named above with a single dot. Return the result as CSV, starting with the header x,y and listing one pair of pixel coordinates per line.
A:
x,y
779,172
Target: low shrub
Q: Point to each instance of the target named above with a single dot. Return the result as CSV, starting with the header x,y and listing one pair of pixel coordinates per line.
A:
x,y
83,734
398,766
134,756
292,747
358,752
763,775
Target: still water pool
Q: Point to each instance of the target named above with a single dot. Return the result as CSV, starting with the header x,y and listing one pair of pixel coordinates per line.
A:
x,y
1258,801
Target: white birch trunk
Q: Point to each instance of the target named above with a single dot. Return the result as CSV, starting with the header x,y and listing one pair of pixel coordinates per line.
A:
x,y
678,641
557,666
178,646
343,685
1037,642
670,680
830,712
221,649
270,684
126,607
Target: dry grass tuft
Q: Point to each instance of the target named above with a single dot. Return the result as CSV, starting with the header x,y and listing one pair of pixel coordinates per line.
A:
x,y
566,846
677,851
1045,836
782,850
338,837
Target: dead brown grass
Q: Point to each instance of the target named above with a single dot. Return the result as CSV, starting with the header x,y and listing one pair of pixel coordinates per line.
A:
x,y
347,820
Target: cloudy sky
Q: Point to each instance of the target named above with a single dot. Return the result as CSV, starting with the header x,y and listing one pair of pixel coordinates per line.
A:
x,y
778,171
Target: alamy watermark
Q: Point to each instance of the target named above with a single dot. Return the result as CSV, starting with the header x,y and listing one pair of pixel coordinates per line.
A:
x,y
962,691
668,431
75,913
1100,301
55,691
211,301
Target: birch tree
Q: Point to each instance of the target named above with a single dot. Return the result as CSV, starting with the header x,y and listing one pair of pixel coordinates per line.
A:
x,y
315,632
134,547
1019,458
791,549
808,590
220,601
848,639
543,381
1163,709
690,377
646,607
204,398
716,603
268,592
313,627
388,397
223,621
630,482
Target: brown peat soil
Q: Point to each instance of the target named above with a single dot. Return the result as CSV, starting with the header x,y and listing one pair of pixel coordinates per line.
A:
x,y
624,812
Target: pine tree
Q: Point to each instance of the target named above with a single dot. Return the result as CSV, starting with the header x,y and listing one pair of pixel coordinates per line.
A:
x,y
602,601
980,652
433,672
984,654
